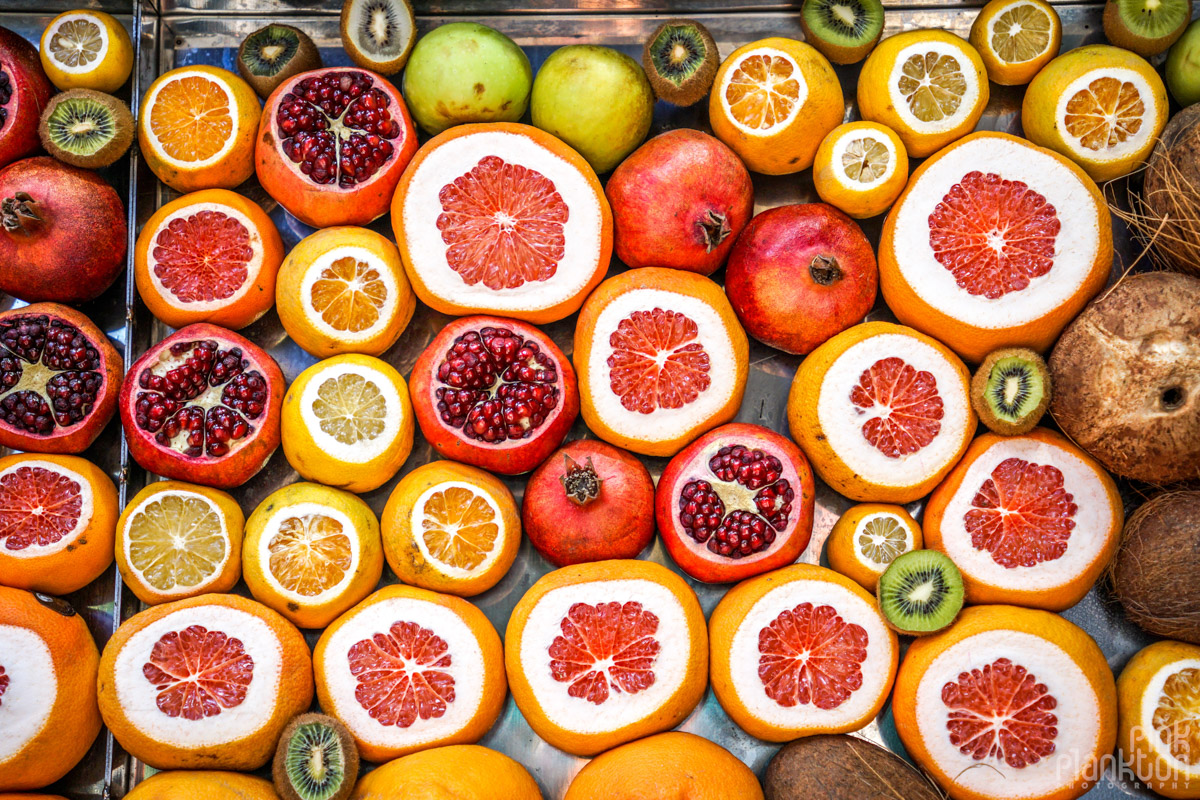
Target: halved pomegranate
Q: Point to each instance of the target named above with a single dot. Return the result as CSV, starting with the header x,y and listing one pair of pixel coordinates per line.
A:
x,y
59,378
24,92
332,144
494,392
203,406
735,503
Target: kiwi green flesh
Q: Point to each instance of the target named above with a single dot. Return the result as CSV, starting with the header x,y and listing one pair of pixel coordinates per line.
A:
x,y
681,60
842,23
86,128
1147,27
378,34
316,760
272,54
920,592
1011,390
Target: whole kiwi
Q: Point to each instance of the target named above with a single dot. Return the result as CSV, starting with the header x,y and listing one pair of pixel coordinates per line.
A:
x,y
837,767
274,53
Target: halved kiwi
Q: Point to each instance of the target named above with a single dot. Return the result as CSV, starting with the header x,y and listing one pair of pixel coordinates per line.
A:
x,y
1011,390
844,31
85,128
316,759
379,34
920,592
1147,27
681,61
271,55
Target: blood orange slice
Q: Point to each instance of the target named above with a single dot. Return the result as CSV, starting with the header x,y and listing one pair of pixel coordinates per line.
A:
x,y
602,653
1007,702
207,682
409,669
799,651
57,522
502,218
1029,520
995,242
883,412
661,359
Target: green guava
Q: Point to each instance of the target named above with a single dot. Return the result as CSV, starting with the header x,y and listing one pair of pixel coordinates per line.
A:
x,y
1183,66
595,99
466,72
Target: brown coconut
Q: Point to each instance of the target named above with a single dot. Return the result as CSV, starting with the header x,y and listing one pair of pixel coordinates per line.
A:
x,y
1169,214
1126,376
1155,573
838,767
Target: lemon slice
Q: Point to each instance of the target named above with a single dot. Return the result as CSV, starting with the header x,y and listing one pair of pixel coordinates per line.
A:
x,y
86,50
1016,38
861,168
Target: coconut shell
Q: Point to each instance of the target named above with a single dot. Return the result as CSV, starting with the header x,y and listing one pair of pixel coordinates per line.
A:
x,y
1154,573
1126,376
838,767
1171,193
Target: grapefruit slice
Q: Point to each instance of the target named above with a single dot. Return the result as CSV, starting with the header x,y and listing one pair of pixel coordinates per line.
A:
x,y
208,682
1030,520
883,412
409,669
48,709
800,651
867,538
1159,735
57,518
502,218
1007,702
603,653
661,359
995,243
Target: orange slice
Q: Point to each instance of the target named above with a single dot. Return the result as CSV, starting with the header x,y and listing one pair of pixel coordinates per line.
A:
x,y
1159,730
867,538
1016,38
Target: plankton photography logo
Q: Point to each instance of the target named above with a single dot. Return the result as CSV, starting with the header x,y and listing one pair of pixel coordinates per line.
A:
x,y
1132,771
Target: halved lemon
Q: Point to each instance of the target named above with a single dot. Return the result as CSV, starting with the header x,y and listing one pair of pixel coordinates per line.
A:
x,y
86,50
451,528
867,538
929,86
1015,39
861,168
1158,696
177,540
348,422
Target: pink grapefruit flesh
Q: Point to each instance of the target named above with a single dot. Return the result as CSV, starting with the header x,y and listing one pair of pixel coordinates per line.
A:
x,y
656,362
401,675
810,655
1021,514
198,672
606,648
907,407
203,257
38,507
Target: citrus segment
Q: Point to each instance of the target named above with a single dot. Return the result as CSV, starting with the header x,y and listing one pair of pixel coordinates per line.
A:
x,y
350,408
1000,711
401,676
349,294
765,91
177,541
310,554
1159,701
192,118
1021,514
656,361
881,539
198,673
460,527
867,538
1176,718
932,84
904,407
605,647
77,44
811,655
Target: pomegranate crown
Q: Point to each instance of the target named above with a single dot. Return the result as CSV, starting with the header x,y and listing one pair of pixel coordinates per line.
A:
x,y
580,482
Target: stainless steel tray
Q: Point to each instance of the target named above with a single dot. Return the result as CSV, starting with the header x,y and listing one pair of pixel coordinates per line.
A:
x,y
172,33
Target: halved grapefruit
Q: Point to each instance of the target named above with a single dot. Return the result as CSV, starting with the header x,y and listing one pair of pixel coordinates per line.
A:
x,y
408,669
661,359
603,653
1007,702
799,651
995,243
882,411
208,682
502,218
1158,695
1029,520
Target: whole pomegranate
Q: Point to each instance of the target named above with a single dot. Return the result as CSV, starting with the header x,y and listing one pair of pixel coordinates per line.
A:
x,y
589,501
735,503
62,232
680,200
24,93
332,144
203,406
800,274
59,379
495,393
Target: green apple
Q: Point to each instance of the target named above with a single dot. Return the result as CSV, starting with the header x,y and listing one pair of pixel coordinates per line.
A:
x,y
1183,66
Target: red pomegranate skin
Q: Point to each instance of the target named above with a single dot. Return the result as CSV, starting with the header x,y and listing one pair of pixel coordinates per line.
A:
x,y
610,516
73,247
24,93
680,201
325,205
800,274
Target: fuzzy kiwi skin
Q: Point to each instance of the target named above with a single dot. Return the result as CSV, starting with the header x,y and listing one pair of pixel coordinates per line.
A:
x,y
838,54
106,155
979,385
837,766
695,88
283,786
307,58
390,67
1120,34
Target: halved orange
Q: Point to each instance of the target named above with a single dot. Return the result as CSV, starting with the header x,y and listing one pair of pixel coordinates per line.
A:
x,y
867,538
799,651
603,653
1016,38
1158,694
451,528
86,49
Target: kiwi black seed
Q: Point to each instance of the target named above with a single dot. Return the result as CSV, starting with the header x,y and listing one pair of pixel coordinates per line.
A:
x,y
920,592
316,759
1147,27
271,55
378,34
844,31
1011,390
681,61
85,128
